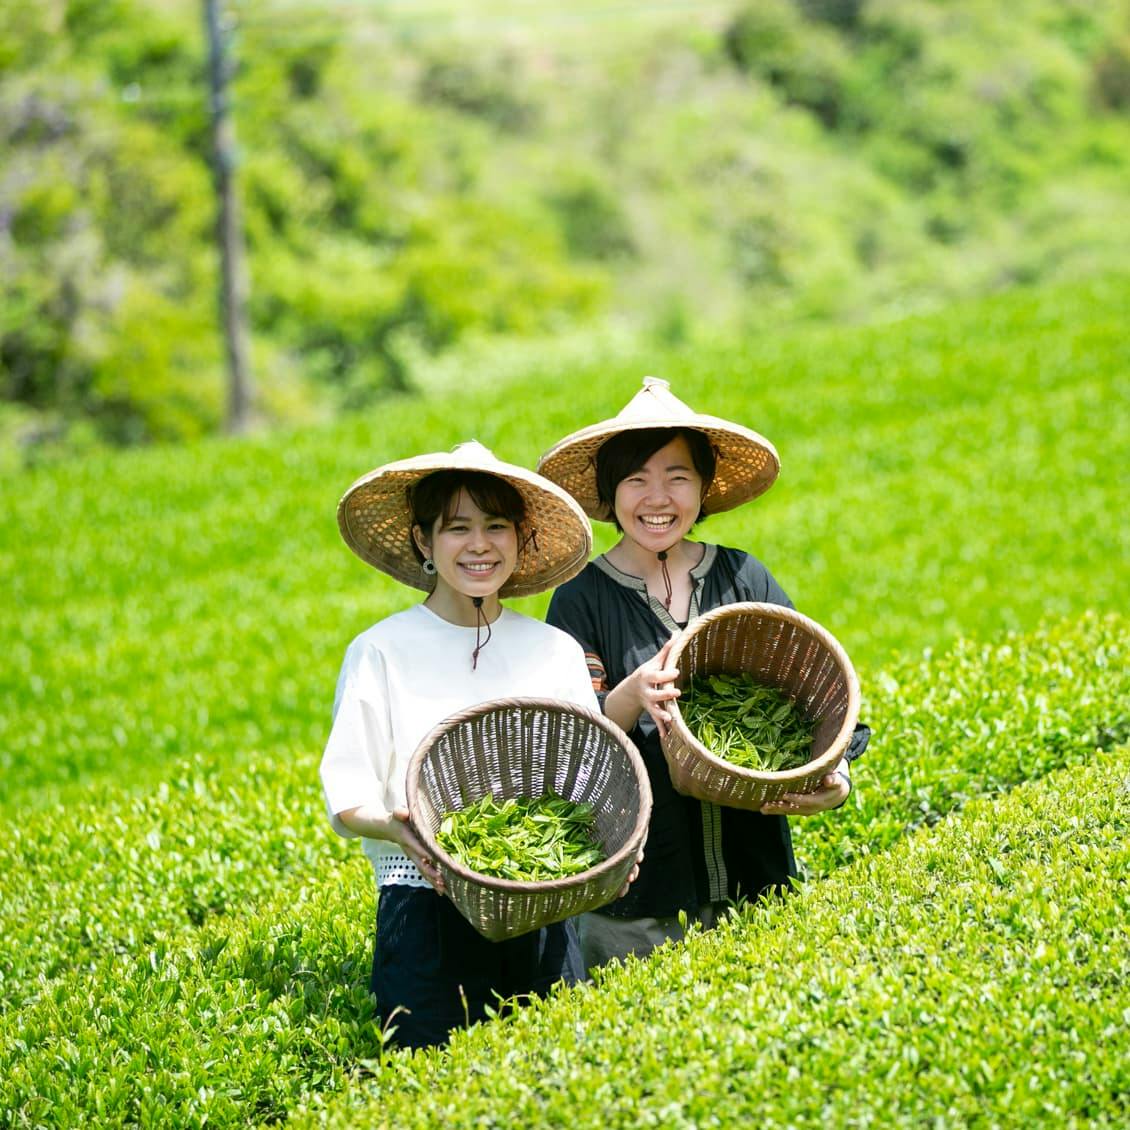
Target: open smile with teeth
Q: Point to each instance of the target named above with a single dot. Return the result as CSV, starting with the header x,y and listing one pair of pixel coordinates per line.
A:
x,y
657,522
479,567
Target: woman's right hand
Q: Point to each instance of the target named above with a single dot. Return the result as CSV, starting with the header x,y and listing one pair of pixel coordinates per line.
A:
x,y
402,833
396,828
634,874
650,687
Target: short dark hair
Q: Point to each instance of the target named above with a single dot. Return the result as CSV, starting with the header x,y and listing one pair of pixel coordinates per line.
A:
x,y
435,496
626,452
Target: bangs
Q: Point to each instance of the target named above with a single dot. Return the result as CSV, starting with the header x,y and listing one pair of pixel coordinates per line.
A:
x,y
492,495
436,498
626,452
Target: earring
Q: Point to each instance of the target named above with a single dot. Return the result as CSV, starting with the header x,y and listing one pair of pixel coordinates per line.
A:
x,y
429,567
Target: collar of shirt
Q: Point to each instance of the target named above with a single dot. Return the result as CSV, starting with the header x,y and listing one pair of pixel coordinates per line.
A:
x,y
639,585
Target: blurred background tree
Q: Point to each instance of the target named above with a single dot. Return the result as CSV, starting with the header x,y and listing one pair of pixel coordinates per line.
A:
x,y
415,178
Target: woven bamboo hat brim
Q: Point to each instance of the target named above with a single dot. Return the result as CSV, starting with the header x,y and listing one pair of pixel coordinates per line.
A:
x,y
747,463
375,520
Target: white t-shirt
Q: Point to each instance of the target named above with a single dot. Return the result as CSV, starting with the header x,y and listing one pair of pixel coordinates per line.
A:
x,y
409,672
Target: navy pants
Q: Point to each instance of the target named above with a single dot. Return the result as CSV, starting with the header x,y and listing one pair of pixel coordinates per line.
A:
x,y
433,971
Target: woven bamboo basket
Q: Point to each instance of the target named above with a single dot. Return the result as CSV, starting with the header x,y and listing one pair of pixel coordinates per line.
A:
x,y
526,747
778,647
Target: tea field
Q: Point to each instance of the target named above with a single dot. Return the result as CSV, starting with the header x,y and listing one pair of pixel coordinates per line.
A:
x,y
183,940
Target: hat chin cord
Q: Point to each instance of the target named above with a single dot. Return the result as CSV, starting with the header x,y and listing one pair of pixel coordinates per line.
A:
x,y
662,555
480,619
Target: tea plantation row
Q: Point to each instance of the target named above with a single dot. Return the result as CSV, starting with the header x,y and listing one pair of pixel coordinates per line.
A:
x,y
975,975
196,954
943,476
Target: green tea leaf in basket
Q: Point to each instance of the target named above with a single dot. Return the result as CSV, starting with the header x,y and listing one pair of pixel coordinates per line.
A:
x,y
527,839
746,723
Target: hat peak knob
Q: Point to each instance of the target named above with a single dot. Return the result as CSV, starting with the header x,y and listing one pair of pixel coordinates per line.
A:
x,y
471,447
655,382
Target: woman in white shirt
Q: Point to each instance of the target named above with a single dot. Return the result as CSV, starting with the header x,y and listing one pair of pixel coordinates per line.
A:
x,y
467,529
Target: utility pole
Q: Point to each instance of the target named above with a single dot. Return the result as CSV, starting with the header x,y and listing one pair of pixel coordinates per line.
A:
x,y
229,232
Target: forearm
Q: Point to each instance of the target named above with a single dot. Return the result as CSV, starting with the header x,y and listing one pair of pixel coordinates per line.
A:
x,y
622,705
372,822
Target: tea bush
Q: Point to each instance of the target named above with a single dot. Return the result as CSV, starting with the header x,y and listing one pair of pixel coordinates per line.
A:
x,y
200,953
184,941
974,975
976,721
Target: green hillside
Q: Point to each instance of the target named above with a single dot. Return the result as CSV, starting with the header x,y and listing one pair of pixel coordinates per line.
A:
x,y
183,940
951,474
887,234
419,178
945,475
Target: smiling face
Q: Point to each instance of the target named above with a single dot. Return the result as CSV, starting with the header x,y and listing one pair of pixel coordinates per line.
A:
x,y
657,504
474,552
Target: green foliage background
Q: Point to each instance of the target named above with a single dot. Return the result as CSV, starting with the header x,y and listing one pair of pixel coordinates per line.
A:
x,y
882,233
948,474
415,178
183,940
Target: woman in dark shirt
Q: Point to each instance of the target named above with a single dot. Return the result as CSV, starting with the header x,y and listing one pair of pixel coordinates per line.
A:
x,y
654,470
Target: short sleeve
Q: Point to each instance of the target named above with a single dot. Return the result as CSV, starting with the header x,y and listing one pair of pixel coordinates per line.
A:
x,y
774,594
763,585
573,616
358,752
578,682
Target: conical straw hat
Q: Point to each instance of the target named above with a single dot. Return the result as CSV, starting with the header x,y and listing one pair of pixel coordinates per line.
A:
x,y
747,463
375,519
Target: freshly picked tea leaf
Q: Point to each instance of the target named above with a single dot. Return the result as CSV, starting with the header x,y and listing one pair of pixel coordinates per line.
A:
x,y
527,839
746,723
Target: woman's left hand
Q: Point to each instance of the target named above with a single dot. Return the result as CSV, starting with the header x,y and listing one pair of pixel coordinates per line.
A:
x,y
633,875
650,687
833,791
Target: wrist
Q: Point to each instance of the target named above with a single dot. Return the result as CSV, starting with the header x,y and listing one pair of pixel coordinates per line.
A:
x,y
622,706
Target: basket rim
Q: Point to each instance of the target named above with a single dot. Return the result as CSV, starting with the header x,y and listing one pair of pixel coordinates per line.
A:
x,y
631,846
834,752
